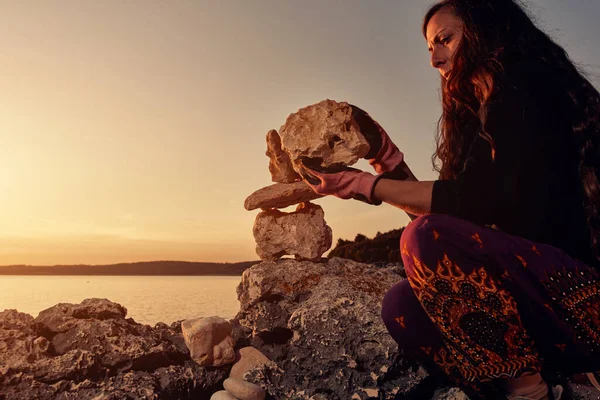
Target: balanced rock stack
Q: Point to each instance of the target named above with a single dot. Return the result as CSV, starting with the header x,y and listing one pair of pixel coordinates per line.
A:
x,y
325,133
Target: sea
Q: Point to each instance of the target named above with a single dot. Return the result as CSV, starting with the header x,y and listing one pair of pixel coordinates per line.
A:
x,y
148,299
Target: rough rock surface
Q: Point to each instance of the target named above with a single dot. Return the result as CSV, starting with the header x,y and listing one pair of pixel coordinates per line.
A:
x,y
302,233
320,323
280,166
326,131
90,350
209,340
280,195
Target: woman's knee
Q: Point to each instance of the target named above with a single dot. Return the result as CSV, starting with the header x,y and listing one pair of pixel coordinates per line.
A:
x,y
424,228
406,320
395,300
423,232
421,239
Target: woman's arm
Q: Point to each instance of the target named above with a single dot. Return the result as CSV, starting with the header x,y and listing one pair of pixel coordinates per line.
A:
x,y
471,196
412,196
402,173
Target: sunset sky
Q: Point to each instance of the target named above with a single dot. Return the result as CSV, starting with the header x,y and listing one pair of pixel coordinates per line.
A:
x,y
134,130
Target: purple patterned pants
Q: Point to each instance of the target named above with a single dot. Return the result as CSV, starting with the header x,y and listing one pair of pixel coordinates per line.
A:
x,y
481,304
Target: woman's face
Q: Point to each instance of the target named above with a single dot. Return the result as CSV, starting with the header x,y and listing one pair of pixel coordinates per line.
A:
x,y
443,34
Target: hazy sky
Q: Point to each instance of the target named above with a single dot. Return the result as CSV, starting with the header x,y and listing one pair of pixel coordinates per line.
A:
x,y
135,130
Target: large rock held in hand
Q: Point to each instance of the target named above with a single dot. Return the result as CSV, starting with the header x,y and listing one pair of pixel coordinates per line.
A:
x,y
302,233
327,131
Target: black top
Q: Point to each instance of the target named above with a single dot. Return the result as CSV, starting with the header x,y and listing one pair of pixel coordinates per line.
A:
x,y
530,187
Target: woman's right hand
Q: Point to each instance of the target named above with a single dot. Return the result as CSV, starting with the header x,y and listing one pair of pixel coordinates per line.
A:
x,y
383,155
341,181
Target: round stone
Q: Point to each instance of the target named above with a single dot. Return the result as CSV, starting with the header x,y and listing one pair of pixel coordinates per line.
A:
x,y
222,395
243,390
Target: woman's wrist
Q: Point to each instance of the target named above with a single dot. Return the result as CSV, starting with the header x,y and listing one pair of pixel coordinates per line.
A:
x,y
411,196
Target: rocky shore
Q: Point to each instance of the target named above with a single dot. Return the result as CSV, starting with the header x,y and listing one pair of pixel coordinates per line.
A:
x,y
314,327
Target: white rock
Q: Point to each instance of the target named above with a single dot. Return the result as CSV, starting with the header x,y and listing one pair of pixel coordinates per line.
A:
x,y
209,340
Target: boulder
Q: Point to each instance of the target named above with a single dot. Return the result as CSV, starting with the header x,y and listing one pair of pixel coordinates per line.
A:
x,y
302,233
320,324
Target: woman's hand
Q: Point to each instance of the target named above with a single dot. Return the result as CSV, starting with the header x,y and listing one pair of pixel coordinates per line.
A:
x,y
340,181
383,155
414,197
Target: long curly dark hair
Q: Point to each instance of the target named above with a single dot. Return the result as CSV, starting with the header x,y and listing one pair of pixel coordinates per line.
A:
x,y
495,34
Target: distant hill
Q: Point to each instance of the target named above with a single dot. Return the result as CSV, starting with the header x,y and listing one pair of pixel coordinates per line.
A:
x,y
384,247
137,268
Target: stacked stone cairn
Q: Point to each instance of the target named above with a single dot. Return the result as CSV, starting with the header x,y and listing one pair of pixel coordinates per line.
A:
x,y
325,132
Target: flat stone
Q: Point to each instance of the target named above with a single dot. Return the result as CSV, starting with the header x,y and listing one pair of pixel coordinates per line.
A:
x,y
222,395
244,390
326,131
302,233
209,340
280,195
246,358
280,166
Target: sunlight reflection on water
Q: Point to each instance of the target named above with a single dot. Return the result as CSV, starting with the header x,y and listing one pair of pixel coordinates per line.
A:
x,y
148,299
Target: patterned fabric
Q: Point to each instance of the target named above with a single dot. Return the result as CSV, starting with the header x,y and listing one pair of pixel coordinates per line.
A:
x,y
482,304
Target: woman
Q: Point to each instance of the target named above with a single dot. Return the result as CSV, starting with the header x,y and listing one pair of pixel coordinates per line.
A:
x,y
502,261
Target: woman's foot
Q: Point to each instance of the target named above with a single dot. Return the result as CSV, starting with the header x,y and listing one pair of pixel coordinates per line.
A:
x,y
555,393
585,386
527,387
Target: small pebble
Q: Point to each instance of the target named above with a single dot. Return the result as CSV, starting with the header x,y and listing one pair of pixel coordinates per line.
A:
x,y
222,395
244,390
